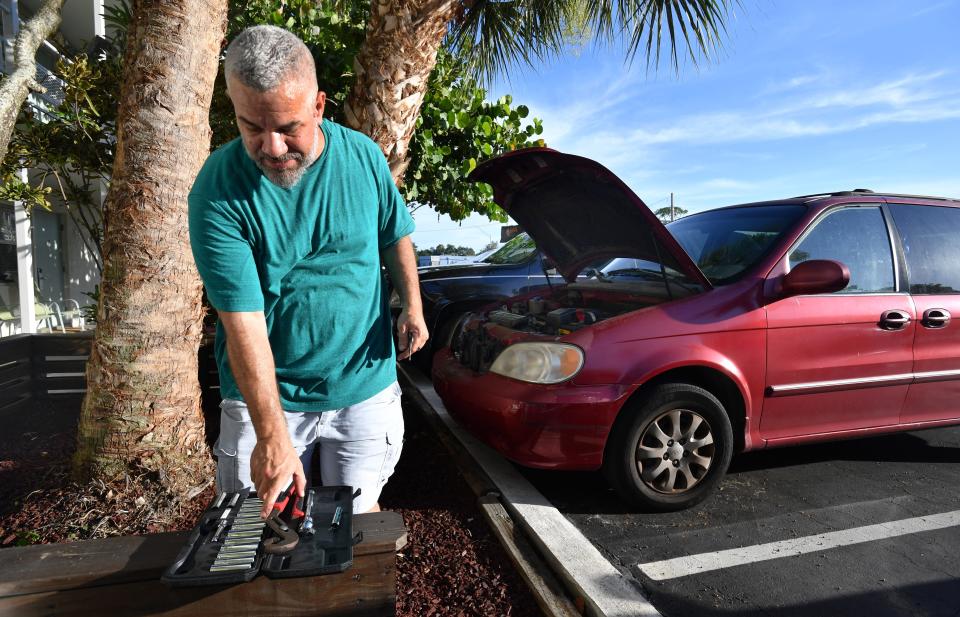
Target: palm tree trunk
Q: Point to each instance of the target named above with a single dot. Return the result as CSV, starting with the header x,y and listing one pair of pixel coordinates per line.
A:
x,y
142,408
393,68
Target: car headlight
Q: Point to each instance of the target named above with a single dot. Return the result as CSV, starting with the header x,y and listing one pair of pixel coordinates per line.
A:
x,y
539,362
395,300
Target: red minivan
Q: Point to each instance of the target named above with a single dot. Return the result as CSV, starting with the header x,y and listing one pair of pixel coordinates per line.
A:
x,y
768,324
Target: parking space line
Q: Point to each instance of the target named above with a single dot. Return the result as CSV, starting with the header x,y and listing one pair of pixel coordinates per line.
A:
x,y
706,562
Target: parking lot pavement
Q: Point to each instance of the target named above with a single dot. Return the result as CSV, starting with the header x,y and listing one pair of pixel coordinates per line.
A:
x,y
865,527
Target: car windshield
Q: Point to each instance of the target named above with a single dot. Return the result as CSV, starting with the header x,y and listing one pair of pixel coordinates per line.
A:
x,y
518,250
725,243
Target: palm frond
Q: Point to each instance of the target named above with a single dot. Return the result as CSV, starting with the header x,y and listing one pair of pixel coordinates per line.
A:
x,y
701,25
497,34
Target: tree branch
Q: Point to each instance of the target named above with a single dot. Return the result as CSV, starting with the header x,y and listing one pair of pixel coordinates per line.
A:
x,y
17,85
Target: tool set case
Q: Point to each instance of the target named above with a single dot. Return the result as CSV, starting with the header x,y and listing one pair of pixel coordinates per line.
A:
x,y
232,544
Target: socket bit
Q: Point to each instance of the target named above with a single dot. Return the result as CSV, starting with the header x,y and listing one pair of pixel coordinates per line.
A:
x,y
220,564
240,557
228,550
230,568
242,540
249,553
236,533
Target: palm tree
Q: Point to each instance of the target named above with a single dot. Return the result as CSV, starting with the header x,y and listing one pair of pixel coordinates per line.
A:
x,y
142,408
404,36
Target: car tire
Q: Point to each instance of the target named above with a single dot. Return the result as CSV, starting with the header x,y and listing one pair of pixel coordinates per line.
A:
x,y
669,450
439,339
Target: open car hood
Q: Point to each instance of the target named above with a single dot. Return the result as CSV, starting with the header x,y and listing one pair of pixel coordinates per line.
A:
x,y
579,213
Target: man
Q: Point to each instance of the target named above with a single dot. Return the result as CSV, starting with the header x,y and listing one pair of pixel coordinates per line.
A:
x,y
288,226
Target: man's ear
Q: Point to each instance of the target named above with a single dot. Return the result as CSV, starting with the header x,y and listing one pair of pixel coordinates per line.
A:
x,y
321,103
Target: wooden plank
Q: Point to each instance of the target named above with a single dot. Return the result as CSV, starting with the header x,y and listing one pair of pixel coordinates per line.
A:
x,y
125,559
59,344
547,590
367,588
15,347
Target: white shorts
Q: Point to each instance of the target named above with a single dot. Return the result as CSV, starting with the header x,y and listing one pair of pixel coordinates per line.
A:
x,y
358,445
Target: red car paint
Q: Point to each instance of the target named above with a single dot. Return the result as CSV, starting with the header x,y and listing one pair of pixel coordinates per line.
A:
x,y
789,370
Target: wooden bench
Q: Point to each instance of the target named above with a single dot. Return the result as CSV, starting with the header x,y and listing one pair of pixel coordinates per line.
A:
x,y
121,577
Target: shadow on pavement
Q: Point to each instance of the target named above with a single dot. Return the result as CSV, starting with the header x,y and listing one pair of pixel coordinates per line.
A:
x,y
936,599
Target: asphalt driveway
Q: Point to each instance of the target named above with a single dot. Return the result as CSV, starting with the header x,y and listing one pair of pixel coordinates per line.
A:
x,y
865,527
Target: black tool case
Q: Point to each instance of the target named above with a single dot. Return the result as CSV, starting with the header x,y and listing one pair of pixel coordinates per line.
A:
x,y
328,550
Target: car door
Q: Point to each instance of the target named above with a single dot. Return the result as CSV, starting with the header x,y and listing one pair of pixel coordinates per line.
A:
x,y
841,361
930,236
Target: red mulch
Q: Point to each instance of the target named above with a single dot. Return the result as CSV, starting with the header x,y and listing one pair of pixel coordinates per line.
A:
x,y
452,564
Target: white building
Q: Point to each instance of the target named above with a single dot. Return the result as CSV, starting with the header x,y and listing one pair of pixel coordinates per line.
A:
x,y
44,266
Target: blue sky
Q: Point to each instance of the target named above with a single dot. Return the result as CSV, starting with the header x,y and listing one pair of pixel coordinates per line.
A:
x,y
806,96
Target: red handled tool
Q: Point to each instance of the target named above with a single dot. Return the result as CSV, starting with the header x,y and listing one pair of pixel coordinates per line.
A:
x,y
286,538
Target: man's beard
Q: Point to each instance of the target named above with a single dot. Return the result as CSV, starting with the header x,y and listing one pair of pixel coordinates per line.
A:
x,y
287,177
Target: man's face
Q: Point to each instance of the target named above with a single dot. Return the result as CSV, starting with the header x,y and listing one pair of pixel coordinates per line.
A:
x,y
280,128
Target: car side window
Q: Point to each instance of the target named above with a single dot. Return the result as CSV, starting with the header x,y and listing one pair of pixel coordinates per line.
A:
x,y
931,245
856,237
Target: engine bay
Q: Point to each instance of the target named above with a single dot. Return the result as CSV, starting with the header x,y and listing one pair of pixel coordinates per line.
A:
x,y
535,317
567,310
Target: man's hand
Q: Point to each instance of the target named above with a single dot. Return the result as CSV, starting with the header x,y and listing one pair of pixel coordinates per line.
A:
x,y
273,462
411,328
412,333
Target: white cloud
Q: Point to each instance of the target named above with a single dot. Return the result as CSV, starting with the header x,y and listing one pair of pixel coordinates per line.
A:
x,y
933,8
914,98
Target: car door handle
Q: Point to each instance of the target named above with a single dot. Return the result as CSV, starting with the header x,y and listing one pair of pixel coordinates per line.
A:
x,y
894,320
935,318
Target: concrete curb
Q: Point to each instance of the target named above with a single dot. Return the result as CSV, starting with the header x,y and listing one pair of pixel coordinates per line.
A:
x,y
576,562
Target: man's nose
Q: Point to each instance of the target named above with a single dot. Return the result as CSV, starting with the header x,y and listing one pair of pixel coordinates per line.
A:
x,y
274,145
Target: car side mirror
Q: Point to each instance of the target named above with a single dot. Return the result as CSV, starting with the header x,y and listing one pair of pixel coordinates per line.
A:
x,y
816,276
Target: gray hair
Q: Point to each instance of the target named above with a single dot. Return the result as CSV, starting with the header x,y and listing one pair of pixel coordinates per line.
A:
x,y
261,57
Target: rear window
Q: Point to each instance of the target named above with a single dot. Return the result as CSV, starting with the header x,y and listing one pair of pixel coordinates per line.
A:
x,y
726,243
931,245
518,250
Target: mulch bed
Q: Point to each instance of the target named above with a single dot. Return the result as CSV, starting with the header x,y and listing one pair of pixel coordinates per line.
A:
x,y
452,564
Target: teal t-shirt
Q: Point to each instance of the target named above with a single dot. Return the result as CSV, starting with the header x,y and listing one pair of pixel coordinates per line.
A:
x,y
309,258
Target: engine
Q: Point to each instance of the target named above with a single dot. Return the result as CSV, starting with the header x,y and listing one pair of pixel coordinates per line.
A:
x,y
483,335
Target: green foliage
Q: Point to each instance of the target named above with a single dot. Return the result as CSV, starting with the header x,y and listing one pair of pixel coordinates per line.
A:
x,y
495,36
447,249
70,148
666,216
457,128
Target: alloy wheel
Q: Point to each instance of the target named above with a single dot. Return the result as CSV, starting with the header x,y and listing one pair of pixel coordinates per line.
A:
x,y
675,451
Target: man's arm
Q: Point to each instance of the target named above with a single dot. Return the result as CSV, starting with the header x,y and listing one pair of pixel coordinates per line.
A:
x,y
274,459
402,265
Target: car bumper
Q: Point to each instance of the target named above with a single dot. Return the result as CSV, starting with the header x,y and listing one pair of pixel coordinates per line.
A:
x,y
562,426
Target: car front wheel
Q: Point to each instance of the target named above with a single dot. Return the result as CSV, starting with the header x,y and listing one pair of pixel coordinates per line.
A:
x,y
671,449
